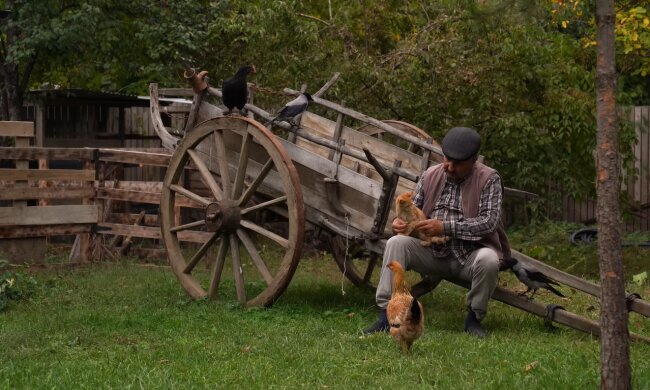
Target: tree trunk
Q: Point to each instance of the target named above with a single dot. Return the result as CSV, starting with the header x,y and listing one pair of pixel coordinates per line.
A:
x,y
615,359
12,82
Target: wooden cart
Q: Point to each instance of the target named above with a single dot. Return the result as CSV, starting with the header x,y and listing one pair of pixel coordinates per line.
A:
x,y
255,193
260,190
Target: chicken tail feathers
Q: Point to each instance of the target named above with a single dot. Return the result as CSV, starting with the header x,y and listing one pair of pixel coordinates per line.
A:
x,y
415,310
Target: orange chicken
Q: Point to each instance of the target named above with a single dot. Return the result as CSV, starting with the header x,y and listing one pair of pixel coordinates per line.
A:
x,y
405,314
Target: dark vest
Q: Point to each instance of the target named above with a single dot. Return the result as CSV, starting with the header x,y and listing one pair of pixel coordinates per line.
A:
x,y
433,183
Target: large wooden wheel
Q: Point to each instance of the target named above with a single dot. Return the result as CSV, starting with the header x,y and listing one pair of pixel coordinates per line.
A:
x,y
361,266
244,171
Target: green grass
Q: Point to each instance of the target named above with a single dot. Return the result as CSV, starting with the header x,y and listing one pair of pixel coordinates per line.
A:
x,y
128,326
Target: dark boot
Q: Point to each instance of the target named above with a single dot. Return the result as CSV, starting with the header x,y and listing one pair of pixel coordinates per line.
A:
x,y
473,325
381,325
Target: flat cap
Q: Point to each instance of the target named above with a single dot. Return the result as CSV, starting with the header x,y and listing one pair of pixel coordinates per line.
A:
x,y
461,143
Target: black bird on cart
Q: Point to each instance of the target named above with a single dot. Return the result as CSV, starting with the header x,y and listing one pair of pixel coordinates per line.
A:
x,y
531,277
234,91
292,110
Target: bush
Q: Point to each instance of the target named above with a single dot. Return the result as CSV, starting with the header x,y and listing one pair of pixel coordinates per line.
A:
x,y
13,286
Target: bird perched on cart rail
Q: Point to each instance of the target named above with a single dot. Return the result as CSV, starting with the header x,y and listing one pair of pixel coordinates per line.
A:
x,y
531,277
292,110
404,313
234,90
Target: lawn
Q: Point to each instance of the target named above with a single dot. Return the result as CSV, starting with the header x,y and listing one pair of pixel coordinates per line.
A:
x,y
130,326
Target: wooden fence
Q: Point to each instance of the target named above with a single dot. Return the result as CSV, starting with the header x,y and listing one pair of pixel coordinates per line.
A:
x,y
637,187
29,195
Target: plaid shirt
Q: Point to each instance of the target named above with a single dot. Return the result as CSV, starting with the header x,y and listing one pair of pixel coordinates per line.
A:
x,y
464,233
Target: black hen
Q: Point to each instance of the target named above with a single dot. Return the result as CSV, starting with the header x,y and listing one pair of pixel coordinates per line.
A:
x,y
234,91
532,278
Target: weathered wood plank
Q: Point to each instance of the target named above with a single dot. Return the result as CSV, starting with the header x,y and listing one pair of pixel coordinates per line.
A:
x,y
176,92
560,316
366,119
639,306
382,150
16,129
48,215
43,231
45,193
126,218
150,232
142,197
134,157
47,174
147,186
27,153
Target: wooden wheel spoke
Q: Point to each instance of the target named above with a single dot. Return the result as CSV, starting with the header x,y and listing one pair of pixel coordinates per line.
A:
x,y
222,161
218,267
199,254
264,205
206,175
238,272
256,183
372,263
234,181
255,255
187,226
283,242
189,194
243,164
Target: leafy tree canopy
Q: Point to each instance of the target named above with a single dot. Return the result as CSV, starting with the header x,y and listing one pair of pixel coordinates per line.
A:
x,y
519,71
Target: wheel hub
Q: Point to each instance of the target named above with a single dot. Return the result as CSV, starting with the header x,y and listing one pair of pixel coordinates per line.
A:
x,y
222,216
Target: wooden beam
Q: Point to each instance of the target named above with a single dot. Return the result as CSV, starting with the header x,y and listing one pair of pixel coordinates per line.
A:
x,y
47,174
16,129
142,197
48,215
150,232
27,153
176,92
134,157
638,305
126,218
26,193
43,231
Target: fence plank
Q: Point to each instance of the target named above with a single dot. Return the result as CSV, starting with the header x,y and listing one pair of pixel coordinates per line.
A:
x,y
48,215
27,153
44,231
16,129
47,174
150,232
26,193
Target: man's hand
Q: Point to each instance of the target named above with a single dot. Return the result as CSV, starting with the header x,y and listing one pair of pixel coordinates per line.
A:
x,y
399,226
430,227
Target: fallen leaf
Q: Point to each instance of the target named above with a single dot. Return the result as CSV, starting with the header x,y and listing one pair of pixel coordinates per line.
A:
x,y
531,366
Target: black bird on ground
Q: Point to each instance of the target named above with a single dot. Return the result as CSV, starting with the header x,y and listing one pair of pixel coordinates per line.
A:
x,y
292,110
531,277
234,91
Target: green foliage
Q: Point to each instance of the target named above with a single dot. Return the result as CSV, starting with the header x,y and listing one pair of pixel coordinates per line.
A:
x,y
13,286
508,68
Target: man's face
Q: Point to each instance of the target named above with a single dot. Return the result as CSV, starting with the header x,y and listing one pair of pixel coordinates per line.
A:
x,y
457,170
